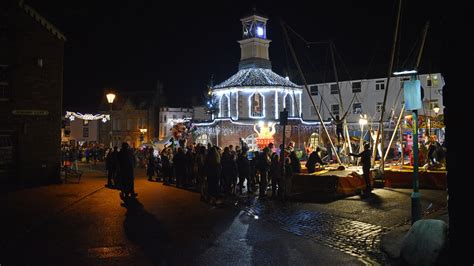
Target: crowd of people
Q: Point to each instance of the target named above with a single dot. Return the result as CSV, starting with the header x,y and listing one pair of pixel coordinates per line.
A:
x,y
216,172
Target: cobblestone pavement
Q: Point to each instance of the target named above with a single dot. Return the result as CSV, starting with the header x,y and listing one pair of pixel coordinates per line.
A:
x,y
353,237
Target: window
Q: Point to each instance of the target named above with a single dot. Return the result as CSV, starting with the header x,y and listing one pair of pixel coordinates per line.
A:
x,y
202,139
289,104
129,124
380,85
256,105
5,92
378,107
356,86
85,123
85,132
432,80
224,106
334,89
357,108
314,90
433,104
335,109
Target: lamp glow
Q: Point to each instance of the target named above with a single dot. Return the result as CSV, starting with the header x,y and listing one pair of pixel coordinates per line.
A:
x,y
110,97
260,31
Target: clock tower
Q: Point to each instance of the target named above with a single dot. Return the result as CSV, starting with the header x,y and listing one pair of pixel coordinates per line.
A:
x,y
254,44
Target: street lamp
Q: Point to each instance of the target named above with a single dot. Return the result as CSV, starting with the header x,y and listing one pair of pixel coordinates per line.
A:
x,y
362,123
110,98
142,136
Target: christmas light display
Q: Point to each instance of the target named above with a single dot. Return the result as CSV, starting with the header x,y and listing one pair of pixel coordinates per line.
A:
x,y
251,77
89,117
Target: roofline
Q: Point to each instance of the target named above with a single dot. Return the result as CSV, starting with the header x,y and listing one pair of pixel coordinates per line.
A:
x,y
43,21
259,86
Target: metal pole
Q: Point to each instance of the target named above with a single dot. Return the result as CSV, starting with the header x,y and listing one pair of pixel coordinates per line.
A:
x,y
394,132
111,127
415,196
282,158
307,89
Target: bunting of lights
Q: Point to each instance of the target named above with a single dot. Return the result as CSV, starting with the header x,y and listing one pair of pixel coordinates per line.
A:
x,y
74,115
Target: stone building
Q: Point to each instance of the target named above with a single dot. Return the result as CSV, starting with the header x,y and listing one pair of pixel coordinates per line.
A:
x,y
31,95
134,118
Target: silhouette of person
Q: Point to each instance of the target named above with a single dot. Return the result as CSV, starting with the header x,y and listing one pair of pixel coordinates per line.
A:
x,y
365,160
127,162
339,131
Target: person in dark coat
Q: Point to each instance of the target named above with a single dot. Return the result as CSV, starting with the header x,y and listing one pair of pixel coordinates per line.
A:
x,y
243,166
166,166
275,174
179,163
365,160
313,160
295,163
111,164
213,172
151,164
126,162
264,164
229,171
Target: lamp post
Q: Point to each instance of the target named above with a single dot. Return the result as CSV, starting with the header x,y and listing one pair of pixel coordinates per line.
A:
x,y
413,102
110,98
142,134
436,111
362,122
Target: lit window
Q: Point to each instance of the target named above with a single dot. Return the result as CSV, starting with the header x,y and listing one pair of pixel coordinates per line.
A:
x,y
289,104
357,108
257,105
224,106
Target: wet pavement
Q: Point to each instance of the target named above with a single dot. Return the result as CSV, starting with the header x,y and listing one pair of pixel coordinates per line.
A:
x,y
85,223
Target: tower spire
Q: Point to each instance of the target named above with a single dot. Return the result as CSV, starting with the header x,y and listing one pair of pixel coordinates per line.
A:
x,y
254,44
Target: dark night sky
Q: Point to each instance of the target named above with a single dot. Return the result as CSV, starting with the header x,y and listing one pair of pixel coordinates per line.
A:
x,y
131,45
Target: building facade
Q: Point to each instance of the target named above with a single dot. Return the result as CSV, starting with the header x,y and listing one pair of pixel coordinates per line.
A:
x,y
134,118
365,97
82,129
31,96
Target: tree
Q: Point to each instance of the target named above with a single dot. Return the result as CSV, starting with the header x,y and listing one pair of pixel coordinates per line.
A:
x,y
211,101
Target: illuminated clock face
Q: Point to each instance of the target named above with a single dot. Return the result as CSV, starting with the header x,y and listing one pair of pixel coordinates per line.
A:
x,y
259,31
